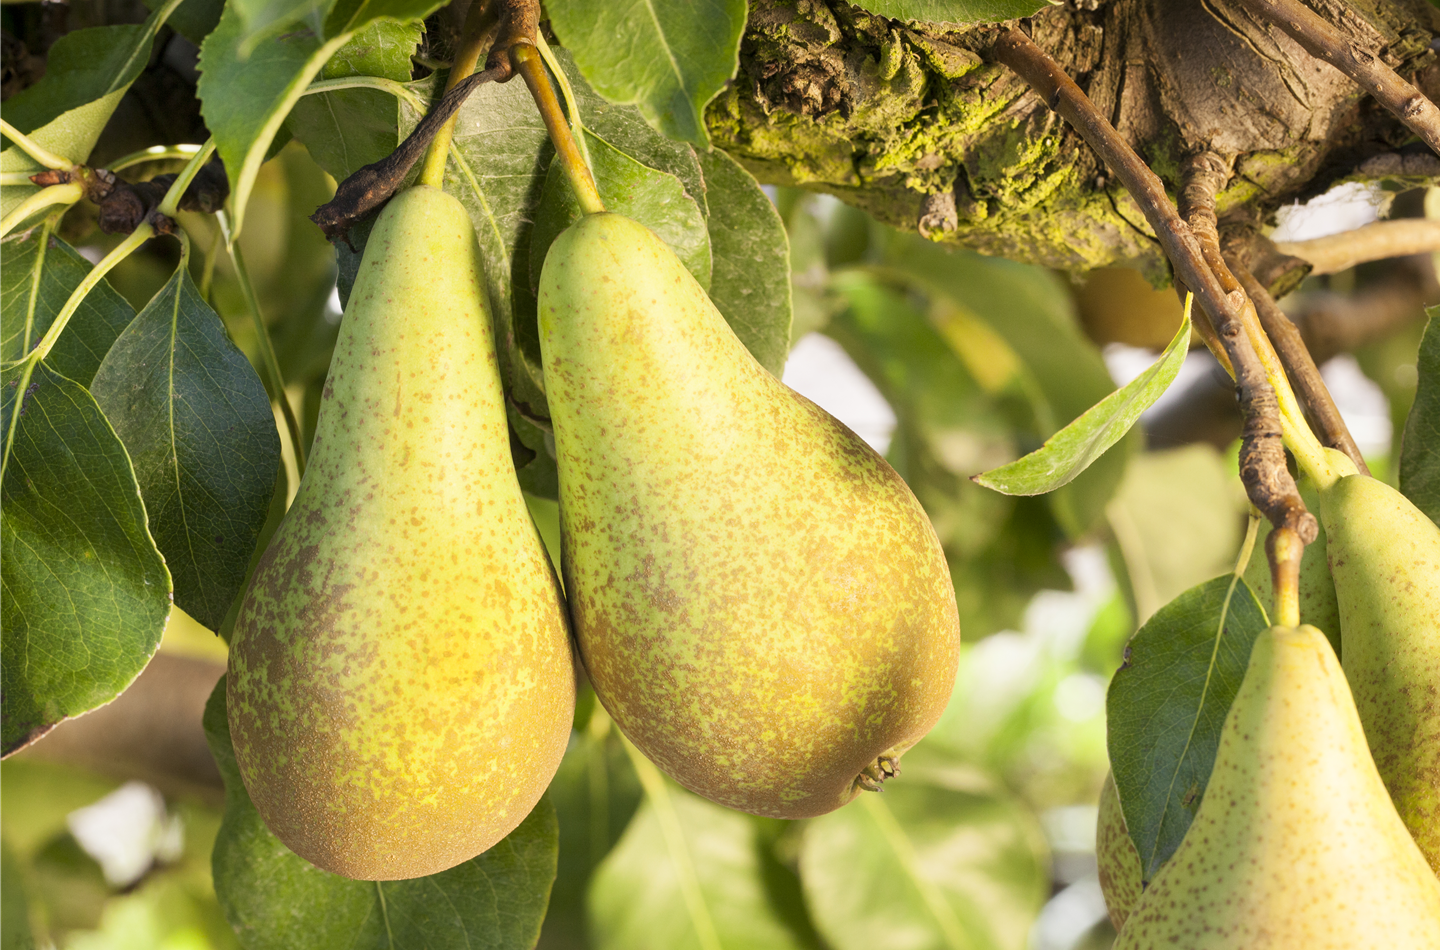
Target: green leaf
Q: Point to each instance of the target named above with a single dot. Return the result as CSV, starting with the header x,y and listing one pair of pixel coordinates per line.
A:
x,y
1032,312
350,128
14,903
86,74
1177,520
955,12
277,900
750,278
245,99
653,198
193,19
638,899
595,793
669,57
1166,706
85,592
200,432
1071,450
1420,447
943,858
34,284
262,18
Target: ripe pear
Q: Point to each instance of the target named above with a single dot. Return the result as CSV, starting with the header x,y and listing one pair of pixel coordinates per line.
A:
x,y
759,600
1296,844
1318,606
401,683
1385,557
1115,854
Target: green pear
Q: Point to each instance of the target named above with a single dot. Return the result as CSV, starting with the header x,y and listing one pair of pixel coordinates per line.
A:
x,y
761,603
1115,854
401,682
1385,557
1296,845
1318,606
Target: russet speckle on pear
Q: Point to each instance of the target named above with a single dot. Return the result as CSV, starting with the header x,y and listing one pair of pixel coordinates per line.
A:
x,y
1296,845
401,686
759,600
1385,559
1117,860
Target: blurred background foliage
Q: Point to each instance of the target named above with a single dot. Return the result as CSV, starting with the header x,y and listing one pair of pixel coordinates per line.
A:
x,y
956,363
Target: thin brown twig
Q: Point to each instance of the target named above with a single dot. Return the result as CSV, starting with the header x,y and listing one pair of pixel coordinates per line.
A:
x,y
1301,369
1374,242
1263,471
1323,40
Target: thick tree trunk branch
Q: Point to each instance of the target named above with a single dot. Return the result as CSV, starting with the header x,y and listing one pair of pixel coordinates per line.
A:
x,y
1324,41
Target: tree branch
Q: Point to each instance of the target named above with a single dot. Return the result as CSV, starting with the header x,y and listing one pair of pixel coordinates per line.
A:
x,y
1262,458
1374,242
1323,41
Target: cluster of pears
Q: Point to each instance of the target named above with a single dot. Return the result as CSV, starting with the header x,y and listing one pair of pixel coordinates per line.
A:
x,y
1320,823
759,600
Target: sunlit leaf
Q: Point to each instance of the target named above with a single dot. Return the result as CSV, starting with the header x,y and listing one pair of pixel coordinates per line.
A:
x,y
1167,704
943,858
277,900
199,429
957,12
668,57
1420,448
1070,451
85,592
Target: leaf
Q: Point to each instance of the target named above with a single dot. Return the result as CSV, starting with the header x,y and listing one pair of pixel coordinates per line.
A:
x,y
595,793
750,276
86,74
277,900
201,435
85,592
1420,446
193,19
943,858
637,897
262,18
350,128
669,57
14,903
35,283
655,199
1177,520
1029,309
1166,706
955,12
1071,450
244,100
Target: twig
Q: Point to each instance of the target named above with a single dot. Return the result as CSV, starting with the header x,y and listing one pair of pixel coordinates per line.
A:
x,y
34,149
1300,367
1324,41
1374,242
1262,469
66,194
532,69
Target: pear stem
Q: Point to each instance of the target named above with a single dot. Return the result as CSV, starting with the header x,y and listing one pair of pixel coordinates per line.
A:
x,y
527,62
1285,550
476,37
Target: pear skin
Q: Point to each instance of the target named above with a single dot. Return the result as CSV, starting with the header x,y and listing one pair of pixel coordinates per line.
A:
x,y
1296,845
761,603
401,685
1385,557
1118,861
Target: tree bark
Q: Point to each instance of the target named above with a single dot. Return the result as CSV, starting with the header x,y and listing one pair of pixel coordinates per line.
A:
x,y
902,120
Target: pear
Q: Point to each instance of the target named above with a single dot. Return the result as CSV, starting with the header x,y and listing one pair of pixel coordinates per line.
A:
x,y
1385,557
1296,844
1318,606
761,603
401,682
1118,861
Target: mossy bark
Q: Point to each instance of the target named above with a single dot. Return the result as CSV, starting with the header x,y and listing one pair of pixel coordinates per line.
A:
x,y
901,119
